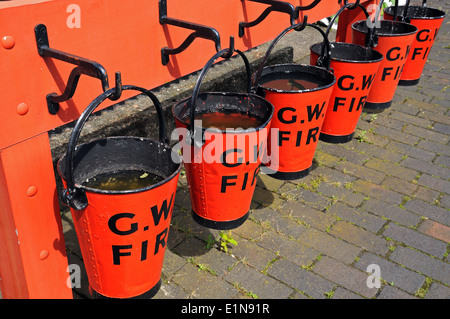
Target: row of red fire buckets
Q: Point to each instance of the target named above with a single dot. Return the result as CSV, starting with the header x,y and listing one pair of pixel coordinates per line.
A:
x,y
123,233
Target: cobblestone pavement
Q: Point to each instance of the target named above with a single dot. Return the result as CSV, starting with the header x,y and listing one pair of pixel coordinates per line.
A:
x,y
382,199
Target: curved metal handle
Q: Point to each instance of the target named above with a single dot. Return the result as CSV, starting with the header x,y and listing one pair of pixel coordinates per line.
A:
x,y
225,53
73,196
322,62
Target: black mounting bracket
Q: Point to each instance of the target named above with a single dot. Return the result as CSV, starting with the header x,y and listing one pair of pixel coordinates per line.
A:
x,y
200,31
279,6
84,66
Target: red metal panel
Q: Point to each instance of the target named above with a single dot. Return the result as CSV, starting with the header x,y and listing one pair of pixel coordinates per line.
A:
x,y
33,261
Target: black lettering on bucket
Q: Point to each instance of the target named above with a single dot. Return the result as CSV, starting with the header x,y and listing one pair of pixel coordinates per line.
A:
x,y
164,209
280,114
160,240
315,112
112,224
419,37
117,252
223,158
389,56
349,86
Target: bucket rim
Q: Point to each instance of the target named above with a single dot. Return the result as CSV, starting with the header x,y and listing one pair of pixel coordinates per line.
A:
x,y
348,60
122,192
303,66
441,13
216,130
381,34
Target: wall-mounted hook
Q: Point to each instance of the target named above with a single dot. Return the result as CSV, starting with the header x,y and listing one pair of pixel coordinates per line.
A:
x,y
84,66
200,31
279,6
308,7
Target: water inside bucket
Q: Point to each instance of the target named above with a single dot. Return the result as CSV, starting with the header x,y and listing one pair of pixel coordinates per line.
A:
x,y
123,180
293,81
223,121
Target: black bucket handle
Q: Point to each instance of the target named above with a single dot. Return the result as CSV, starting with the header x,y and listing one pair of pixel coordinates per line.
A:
x,y
349,6
323,61
371,37
226,54
73,196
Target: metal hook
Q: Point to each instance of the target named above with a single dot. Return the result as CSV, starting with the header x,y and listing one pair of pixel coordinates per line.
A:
x,y
230,51
279,6
84,66
308,7
302,26
200,31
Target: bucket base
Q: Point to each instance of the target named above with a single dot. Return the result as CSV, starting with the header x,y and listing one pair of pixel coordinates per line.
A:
x,y
286,176
146,295
230,224
377,106
408,82
336,139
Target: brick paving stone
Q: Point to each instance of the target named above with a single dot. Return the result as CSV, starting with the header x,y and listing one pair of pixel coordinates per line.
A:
x,y
431,146
278,222
410,151
411,119
287,248
201,284
305,196
217,261
329,245
443,128
170,291
435,230
342,293
377,191
442,160
362,172
381,153
394,213
172,263
249,230
428,210
360,237
438,291
392,169
252,281
434,183
252,254
389,292
416,240
426,167
422,263
427,194
392,273
345,276
308,215
300,279
396,135
341,192
357,216
399,185
342,152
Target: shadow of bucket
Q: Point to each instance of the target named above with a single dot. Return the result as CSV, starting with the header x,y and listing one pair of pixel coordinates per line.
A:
x,y
122,233
354,67
300,95
222,162
393,40
428,22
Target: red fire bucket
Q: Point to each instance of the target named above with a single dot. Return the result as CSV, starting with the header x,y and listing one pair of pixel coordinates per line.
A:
x,y
428,21
300,95
121,191
393,39
222,153
354,67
